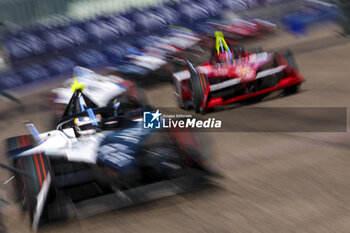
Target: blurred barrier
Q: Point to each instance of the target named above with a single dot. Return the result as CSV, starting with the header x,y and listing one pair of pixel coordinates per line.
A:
x,y
29,12
311,12
4,61
83,9
53,12
272,12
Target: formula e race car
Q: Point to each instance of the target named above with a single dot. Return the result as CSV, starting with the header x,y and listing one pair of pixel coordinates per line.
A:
x,y
233,75
99,159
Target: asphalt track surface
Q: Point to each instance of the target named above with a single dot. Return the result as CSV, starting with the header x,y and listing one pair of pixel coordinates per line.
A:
x,y
273,182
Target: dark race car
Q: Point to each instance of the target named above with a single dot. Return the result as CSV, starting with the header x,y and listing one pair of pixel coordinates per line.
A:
x,y
99,159
234,75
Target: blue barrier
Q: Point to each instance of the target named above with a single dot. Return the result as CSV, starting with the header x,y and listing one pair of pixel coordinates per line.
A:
x,y
60,66
90,58
10,80
297,22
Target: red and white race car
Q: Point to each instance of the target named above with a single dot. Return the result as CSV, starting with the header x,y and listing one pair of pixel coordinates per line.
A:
x,y
234,75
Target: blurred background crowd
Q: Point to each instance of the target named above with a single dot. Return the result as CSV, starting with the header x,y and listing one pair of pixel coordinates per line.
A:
x,y
44,39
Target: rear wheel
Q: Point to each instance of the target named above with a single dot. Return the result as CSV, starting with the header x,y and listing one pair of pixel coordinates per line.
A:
x,y
37,166
12,146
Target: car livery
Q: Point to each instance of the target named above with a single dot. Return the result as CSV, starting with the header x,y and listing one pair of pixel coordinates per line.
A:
x,y
100,158
234,75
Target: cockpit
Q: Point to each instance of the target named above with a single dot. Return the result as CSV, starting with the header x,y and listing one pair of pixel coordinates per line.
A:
x,y
223,52
86,118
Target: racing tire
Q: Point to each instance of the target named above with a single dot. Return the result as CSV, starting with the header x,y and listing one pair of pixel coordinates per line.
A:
x,y
37,166
13,145
199,84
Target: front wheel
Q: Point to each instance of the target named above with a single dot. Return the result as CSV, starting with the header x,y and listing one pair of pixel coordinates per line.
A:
x,y
36,167
199,85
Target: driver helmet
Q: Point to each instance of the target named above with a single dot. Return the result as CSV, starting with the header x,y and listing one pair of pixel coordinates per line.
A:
x,y
85,125
223,53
